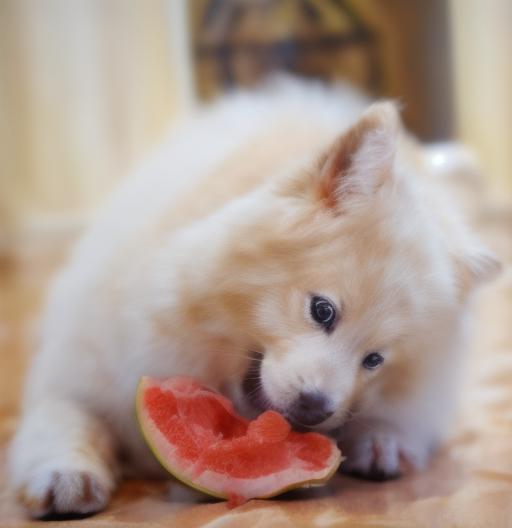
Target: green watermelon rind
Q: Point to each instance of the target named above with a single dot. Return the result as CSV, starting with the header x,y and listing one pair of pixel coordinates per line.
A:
x,y
145,423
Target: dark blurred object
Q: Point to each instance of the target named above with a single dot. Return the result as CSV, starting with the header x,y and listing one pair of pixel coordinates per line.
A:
x,y
244,40
389,48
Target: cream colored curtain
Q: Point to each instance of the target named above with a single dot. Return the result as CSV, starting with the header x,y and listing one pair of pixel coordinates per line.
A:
x,y
86,88
482,38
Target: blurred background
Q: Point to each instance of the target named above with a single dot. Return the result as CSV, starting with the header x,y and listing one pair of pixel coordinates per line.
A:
x,y
88,87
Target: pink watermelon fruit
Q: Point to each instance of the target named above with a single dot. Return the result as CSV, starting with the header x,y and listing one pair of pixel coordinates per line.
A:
x,y
196,435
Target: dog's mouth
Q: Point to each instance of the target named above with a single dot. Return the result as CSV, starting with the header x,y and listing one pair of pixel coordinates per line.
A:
x,y
254,392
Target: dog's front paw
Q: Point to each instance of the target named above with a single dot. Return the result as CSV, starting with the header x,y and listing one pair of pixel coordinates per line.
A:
x,y
64,491
377,451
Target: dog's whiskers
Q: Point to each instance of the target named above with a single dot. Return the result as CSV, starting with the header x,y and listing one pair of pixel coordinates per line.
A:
x,y
255,390
243,355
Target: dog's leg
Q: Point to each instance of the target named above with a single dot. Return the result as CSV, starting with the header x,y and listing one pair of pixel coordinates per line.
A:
x,y
62,460
377,449
380,441
383,440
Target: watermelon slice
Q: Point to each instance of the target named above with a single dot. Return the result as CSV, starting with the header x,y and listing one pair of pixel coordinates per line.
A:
x,y
196,435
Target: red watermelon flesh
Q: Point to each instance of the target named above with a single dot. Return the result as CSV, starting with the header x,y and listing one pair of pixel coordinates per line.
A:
x,y
197,436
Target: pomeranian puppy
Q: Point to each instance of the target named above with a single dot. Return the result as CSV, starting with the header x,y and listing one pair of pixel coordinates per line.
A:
x,y
287,247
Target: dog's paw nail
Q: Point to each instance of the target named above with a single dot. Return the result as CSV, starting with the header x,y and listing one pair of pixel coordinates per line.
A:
x,y
64,492
372,456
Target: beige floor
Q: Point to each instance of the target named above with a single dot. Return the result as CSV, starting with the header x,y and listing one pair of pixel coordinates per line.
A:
x,y
469,483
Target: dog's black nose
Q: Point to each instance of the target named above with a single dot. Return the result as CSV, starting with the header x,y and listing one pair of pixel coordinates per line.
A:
x,y
311,408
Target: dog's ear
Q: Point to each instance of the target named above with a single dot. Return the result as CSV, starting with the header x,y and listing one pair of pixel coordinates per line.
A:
x,y
476,266
362,159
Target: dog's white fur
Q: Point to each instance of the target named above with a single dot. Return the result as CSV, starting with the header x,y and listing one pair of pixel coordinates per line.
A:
x,y
212,251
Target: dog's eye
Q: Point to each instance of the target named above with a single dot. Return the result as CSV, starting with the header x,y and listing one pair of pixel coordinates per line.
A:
x,y
323,312
373,360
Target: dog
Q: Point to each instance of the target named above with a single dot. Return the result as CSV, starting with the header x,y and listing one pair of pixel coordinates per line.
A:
x,y
288,247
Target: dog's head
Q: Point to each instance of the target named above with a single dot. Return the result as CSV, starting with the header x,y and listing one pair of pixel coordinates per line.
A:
x,y
353,281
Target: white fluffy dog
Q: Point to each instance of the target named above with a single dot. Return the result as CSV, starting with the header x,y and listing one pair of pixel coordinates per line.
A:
x,y
287,248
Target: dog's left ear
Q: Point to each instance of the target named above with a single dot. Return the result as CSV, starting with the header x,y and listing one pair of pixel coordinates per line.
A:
x,y
476,266
362,159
